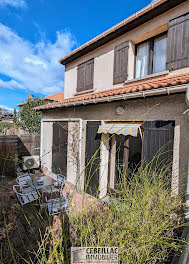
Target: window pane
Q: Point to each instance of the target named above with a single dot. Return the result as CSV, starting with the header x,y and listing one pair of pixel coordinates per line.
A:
x,y
142,60
160,54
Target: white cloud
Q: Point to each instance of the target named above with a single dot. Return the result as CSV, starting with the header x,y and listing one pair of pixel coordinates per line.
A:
x,y
13,3
10,84
33,67
7,108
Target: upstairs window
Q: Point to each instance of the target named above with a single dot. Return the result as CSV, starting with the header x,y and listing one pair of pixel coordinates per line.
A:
x,y
151,56
85,76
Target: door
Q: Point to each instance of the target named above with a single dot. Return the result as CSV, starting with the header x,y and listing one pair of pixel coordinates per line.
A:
x,y
93,140
59,149
158,141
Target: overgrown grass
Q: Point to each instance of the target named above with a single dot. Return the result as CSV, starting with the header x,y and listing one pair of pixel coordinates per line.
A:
x,y
141,217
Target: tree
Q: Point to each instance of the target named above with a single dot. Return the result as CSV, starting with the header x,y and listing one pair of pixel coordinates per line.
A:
x,y
30,119
15,117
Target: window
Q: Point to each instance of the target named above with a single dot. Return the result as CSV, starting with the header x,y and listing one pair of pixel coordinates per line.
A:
x,y
85,74
151,56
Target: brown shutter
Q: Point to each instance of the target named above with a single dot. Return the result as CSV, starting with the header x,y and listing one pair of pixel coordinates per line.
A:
x,y
85,76
89,74
81,77
59,149
158,138
177,43
121,62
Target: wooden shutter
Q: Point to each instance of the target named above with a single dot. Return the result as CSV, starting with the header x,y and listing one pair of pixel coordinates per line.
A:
x,y
59,150
81,77
177,43
158,136
121,62
85,76
92,144
89,74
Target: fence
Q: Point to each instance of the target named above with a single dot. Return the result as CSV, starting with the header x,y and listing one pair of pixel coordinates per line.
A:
x,y
12,148
8,155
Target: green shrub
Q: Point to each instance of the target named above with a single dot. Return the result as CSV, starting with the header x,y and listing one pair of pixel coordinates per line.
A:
x,y
30,119
5,126
141,219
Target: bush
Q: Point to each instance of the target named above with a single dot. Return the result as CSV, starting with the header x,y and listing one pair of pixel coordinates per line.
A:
x,y
30,119
141,219
5,126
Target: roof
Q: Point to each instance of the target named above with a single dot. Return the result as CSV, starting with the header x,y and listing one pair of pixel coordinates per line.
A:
x,y
54,97
128,90
154,9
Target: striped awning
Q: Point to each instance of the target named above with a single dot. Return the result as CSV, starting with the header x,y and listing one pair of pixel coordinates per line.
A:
x,y
121,129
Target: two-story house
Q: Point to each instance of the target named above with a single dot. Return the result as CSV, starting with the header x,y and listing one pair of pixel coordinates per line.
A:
x,y
125,93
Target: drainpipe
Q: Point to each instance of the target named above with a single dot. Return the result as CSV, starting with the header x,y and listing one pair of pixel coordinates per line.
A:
x,y
187,191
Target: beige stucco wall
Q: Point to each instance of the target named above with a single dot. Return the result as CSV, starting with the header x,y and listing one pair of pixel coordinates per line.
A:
x,y
170,107
104,56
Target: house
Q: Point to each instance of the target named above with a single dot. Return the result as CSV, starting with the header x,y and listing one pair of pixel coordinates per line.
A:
x,y
57,97
126,89
6,116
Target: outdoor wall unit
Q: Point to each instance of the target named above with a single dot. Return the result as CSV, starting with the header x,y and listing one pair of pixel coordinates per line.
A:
x,y
30,162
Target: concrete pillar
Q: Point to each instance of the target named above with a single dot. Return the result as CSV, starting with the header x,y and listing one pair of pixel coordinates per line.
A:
x,y
176,158
73,152
83,145
103,172
46,145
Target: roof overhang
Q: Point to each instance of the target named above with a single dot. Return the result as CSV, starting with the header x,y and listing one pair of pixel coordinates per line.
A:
x,y
151,11
134,95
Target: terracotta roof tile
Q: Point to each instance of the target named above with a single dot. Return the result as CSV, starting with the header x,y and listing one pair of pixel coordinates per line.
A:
x,y
55,97
130,87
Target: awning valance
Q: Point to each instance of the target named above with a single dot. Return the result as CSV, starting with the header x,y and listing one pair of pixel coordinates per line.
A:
x,y
121,129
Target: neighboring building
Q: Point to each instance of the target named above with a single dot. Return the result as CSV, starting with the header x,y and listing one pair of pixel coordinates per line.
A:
x,y
57,97
130,84
6,116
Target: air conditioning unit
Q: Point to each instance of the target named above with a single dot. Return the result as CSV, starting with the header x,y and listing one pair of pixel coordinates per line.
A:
x,y
30,162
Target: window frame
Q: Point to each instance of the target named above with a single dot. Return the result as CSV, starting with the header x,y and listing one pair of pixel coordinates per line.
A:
x,y
151,53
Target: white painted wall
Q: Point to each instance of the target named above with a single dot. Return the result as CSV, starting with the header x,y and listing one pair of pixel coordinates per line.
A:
x,y
46,145
104,56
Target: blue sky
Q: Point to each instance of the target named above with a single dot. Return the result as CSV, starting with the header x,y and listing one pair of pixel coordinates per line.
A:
x,y
34,34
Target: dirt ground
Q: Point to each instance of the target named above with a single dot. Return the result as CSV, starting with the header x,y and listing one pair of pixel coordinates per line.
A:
x,y
19,227
22,228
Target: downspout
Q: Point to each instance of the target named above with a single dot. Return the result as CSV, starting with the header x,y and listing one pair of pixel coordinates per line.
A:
x,y
187,191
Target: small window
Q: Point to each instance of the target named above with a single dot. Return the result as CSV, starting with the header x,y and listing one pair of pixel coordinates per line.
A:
x,y
151,56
